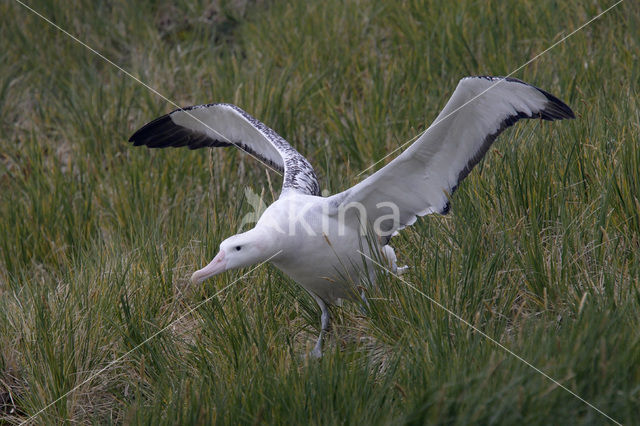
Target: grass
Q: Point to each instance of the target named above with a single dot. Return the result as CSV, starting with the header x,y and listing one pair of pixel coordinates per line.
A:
x,y
98,239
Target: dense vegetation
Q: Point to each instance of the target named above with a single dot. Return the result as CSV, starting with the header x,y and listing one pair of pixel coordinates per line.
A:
x,y
98,239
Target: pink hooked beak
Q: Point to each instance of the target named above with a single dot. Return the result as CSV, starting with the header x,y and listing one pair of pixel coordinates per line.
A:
x,y
216,266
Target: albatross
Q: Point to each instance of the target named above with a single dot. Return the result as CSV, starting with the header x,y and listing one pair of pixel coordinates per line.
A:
x,y
323,242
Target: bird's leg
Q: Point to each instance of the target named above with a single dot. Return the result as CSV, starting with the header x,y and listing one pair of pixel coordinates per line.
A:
x,y
324,322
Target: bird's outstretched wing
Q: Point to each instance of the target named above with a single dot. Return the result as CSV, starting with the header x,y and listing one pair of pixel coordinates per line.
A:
x,y
220,125
421,179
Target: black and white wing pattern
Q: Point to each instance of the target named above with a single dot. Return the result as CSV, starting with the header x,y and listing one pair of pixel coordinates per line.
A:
x,y
421,179
220,125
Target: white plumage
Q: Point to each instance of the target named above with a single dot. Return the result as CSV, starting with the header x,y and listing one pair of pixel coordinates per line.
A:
x,y
318,239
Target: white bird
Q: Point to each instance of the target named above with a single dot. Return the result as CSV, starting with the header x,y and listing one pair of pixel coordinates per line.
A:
x,y
317,241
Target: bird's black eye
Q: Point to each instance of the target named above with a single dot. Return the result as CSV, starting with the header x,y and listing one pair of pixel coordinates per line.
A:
x,y
238,248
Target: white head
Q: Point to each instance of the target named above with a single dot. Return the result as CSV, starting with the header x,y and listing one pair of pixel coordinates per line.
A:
x,y
241,250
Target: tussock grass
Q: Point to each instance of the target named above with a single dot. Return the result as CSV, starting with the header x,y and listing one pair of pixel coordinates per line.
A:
x,y
98,239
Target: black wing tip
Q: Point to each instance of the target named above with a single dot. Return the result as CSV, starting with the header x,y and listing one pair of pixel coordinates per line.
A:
x,y
151,130
554,109
163,133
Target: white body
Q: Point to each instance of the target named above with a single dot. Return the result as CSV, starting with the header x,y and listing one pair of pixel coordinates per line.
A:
x,y
317,252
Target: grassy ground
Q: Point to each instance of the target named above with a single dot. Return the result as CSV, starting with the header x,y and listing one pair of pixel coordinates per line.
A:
x,y
98,239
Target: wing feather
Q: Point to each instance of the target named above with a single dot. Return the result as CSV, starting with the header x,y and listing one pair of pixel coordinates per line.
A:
x,y
221,125
421,179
